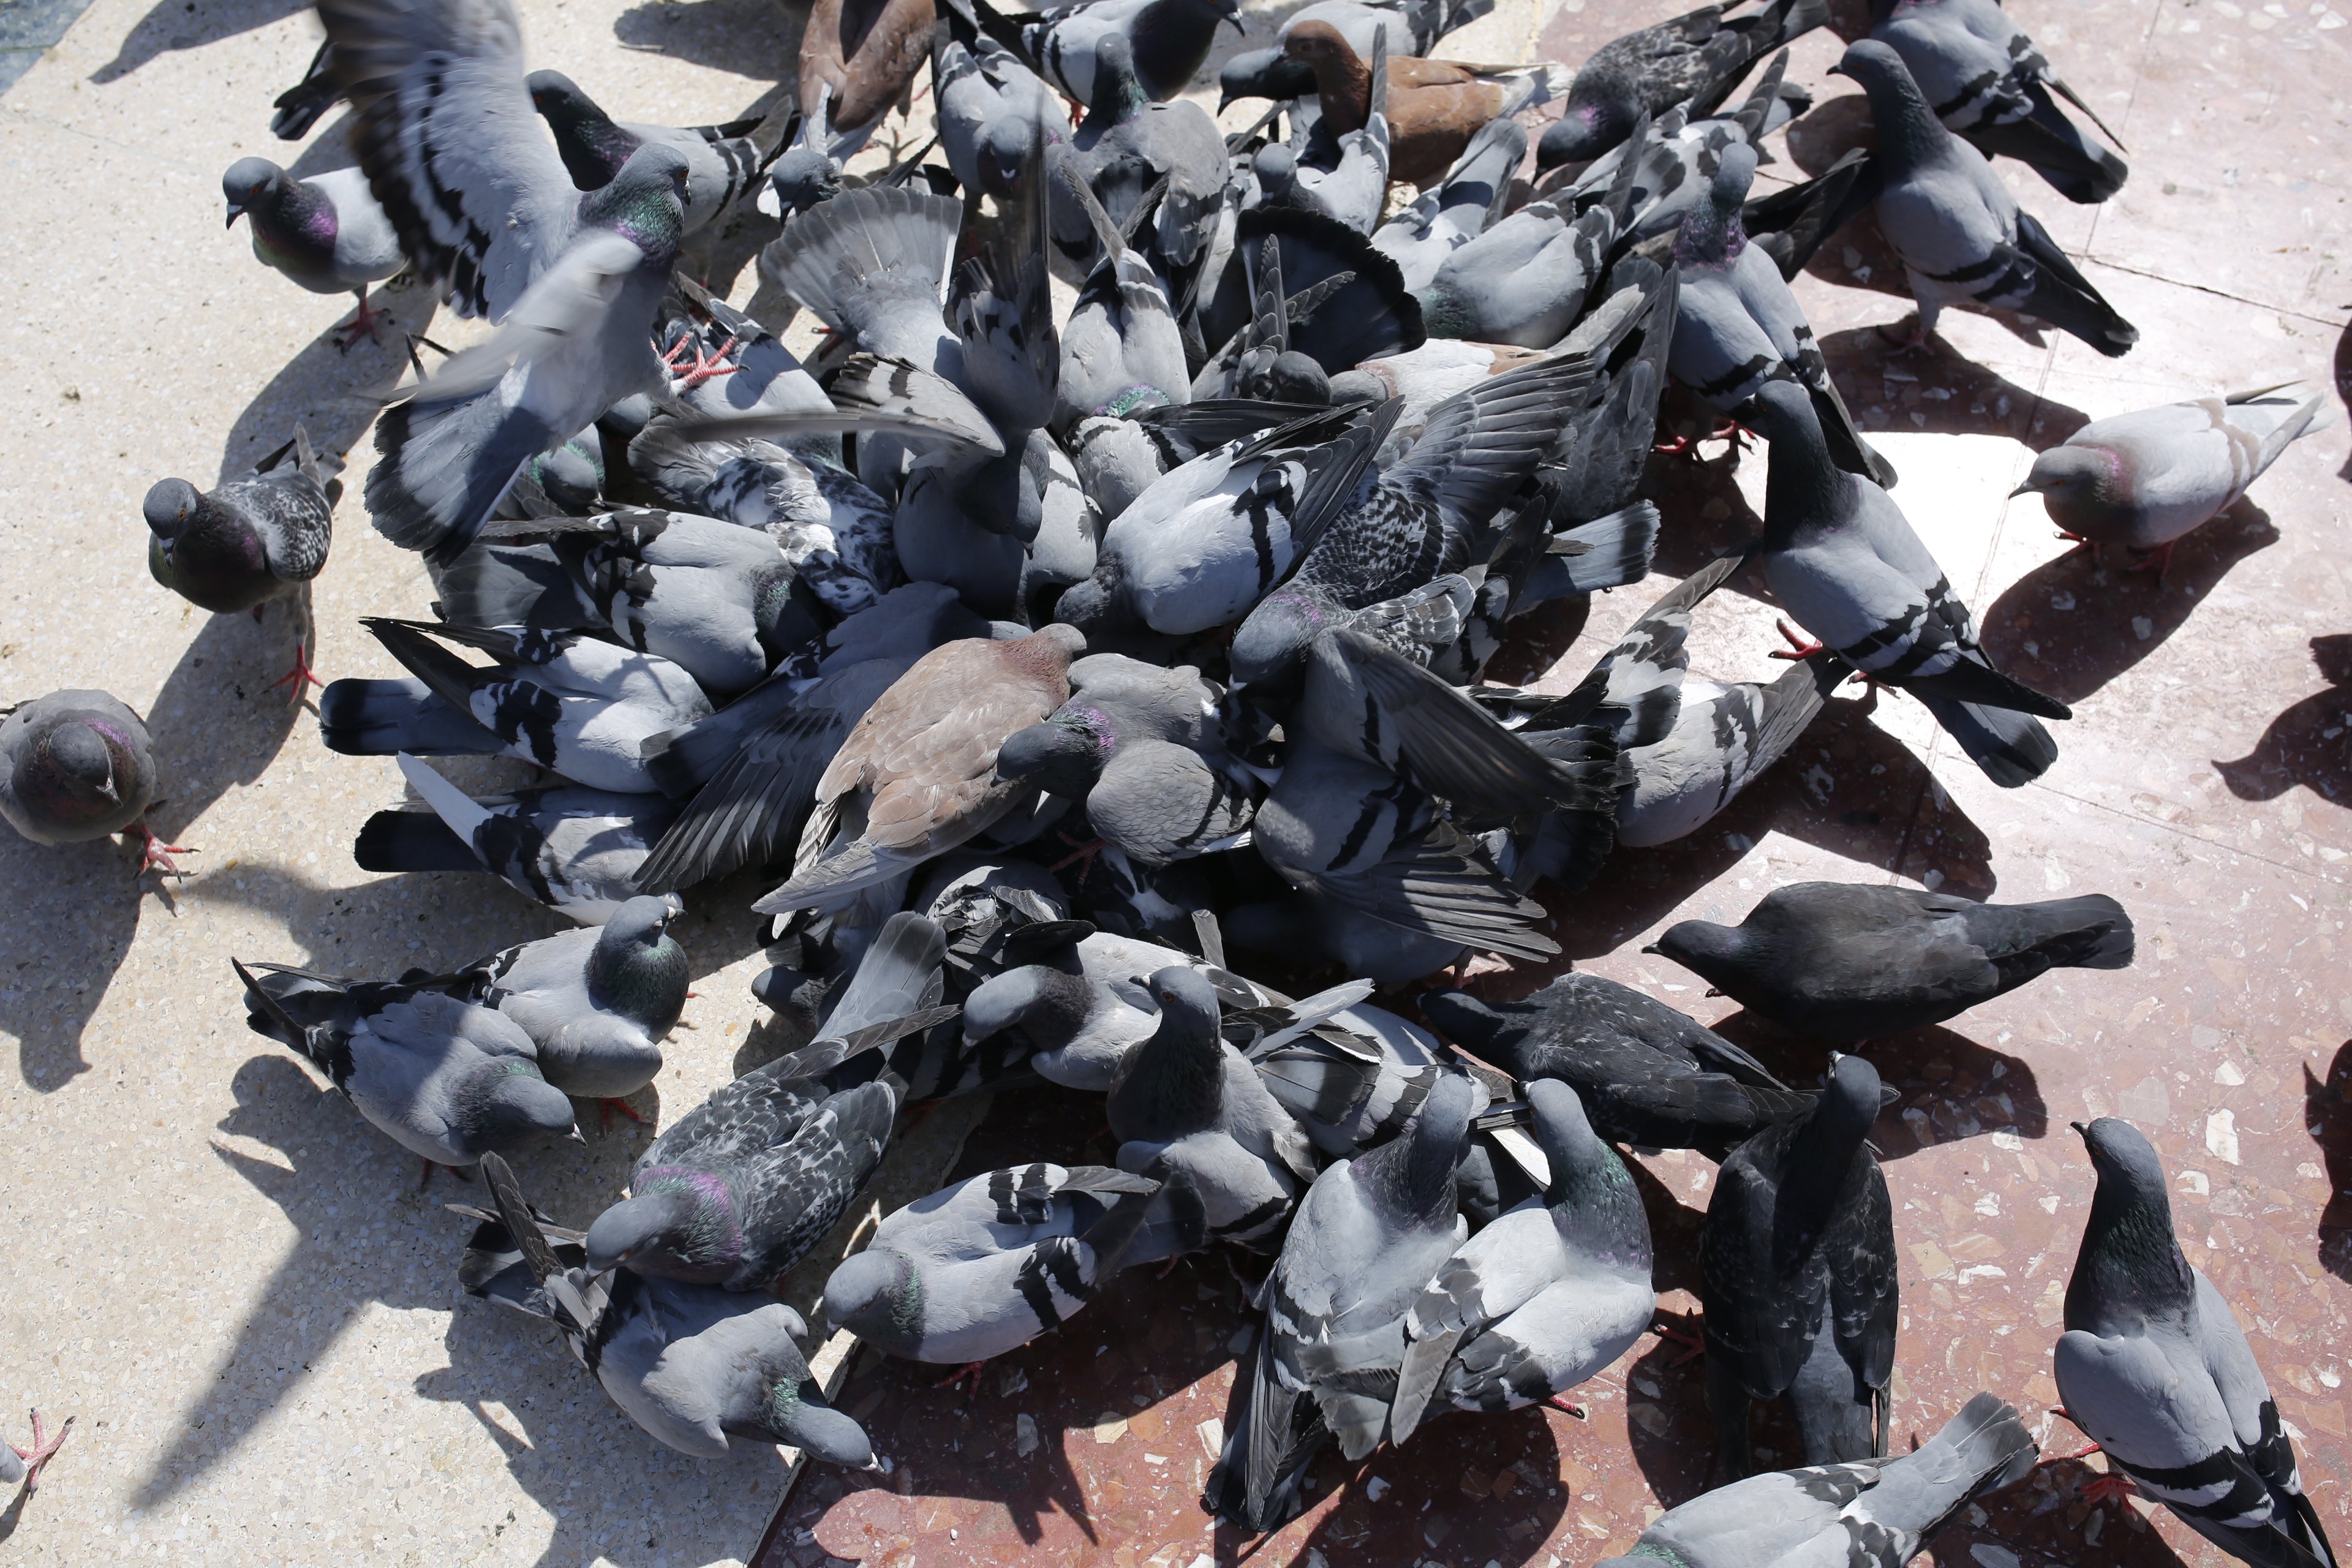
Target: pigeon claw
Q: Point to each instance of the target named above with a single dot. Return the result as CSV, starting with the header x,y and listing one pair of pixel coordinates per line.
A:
x,y
1694,1347
969,1370
154,855
1800,645
1083,855
2159,561
2110,1488
365,324
704,368
1560,1402
43,1450
301,678
611,1103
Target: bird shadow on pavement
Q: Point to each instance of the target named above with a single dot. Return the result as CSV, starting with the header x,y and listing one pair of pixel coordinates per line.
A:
x,y
74,911
755,38
1951,1086
2070,625
173,26
2327,1114
2304,744
1936,389
331,392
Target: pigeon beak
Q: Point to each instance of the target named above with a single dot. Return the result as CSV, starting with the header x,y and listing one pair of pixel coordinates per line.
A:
x,y
235,213
1654,947
575,1135
1840,69
2081,1127
1235,18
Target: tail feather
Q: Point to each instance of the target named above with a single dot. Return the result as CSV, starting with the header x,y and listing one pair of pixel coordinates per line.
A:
x,y
2013,748
2092,932
464,814
899,974
442,466
1983,1449
2055,148
362,718
2063,298
410,841
867,255
1610,551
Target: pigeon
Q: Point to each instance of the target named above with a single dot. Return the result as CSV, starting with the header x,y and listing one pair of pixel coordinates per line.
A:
x,y
301,106
1077,1015
1959,232
1551,1292
1849,962
77,765
2154,1367
1267,73
1647,1074
1986,80
1797,1280
1691,744
1130,145
1370,1238
980,1269
1434,107
1186,1102
255,539
595,1001
445,1080
483,205
325,232
1738,324
1871,1513
1121,349
575,850
857,60
2145,479
1142,747
1667,165
1203,543
1348,182
692,1365
24,1465
571,703
1345,302
1697,60
722,162
1413,26
719,601
1455,211
1523,281
1353,1080
1167,39
993,110
1840,556
1117,459
917,776
745,1183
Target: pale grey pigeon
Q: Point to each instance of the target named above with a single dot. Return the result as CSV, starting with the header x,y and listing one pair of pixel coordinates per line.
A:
x,y
1165,39
992,109
1450,214
722,162
325,232
1523,281
1121,349
77,765
1130,146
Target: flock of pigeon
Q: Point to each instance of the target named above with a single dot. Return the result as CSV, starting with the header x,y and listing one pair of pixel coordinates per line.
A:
x,y
1065,648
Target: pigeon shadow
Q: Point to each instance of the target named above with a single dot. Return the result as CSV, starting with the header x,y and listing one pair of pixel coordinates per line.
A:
x,y
1936,389
74,911
331,392
173,26
2071,626
2343,388
755,38
1950,1086
2304,745
2327,1114
1667,1425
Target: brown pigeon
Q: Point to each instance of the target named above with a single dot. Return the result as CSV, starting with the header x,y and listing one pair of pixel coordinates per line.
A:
x,y
918,776
858,59
1434,107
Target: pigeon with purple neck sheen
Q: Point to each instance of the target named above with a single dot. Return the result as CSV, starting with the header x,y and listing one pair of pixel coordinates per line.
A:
x,y
722,163
325,232
77,765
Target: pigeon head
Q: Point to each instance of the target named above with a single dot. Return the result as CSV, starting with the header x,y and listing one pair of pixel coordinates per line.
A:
x,y
1262,73
1359,387
1712,235
636,969
1415,1172
1173,1083
784,613
1045,1005
1714,953
1487,1030
2074,480
1100,603
1320,46
1290,376
1907,126
645,204
250,183
1850,1100
2129,1266
1118,91
509,1103
676,1224
1065,755
793,1412
802,178
1591,1197
560,100
1269,651
1005,146
169,505
877,1295
77,773
1586,130
573,475
1276,167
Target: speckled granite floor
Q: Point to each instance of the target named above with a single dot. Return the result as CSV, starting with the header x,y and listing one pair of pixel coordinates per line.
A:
x,y
239,1292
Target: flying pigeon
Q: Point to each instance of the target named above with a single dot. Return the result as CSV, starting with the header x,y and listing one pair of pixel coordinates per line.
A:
x,y
1851,962
692,1364
1840,557
77,765
1647,1074
2154,1366
1870,1513
721,160
1986,80
1797,1280
2145,479
325,232
1370,1238
1959,232
1551,1292
484,205
255,539
1697,60
445,1080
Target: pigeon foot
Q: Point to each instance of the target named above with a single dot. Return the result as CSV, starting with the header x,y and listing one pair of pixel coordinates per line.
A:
x,y
43,1450
1695,1347
2109,1487
301,678
1800,645
154,855
704,368
1084,855
970,1370
611,1103
2159,561
365,324
1562,1402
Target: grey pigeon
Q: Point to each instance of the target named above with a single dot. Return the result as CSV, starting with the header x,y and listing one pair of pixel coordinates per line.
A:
x,y
1665,167
1850,962
595,1001
982,1267
1166,39
1842,559
917,776
484,205
1370,1238
1117,459
1696,58
2154,1367
1413,26
1352,1080
1523,280
445,1080
1691,744
77,765
1121,349
1986,80
1129,146
575,850
258,538
1186,1103
1143,747
1959,232
691,1365
571,703
1647,1073
1797,1280
1450,214
325,232
2144,480
992,109
1738,325
1551,1292
1871,1513
746,1183
722,162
